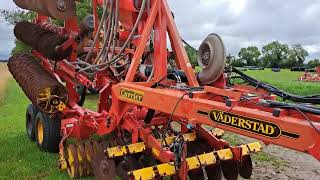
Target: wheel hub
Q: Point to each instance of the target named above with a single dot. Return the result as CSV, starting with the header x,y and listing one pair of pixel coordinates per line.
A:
x,y
40,132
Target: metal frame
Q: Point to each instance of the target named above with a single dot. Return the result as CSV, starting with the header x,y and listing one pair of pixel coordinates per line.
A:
x,y
193,108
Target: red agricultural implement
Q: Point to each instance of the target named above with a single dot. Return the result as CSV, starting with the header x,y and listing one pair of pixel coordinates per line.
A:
x,y
155,116
311,77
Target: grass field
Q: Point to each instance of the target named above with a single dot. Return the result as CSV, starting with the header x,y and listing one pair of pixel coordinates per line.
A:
x,y
20,159
286,80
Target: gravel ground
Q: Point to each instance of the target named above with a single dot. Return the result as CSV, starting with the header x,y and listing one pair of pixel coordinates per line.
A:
x,y
283,164
296,165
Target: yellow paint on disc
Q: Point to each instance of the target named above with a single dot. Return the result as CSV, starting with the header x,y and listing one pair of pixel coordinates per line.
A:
x,y
40,132
71,168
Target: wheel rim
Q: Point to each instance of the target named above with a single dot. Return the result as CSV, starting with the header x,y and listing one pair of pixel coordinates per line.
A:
x,y
40,132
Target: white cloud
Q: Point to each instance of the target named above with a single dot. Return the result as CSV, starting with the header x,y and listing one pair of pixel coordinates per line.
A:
x,y
6,38
250,22
239,22
6,31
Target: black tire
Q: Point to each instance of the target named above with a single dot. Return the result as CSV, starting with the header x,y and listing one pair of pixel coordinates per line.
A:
x,y
31,114
48,138
93,90
82,91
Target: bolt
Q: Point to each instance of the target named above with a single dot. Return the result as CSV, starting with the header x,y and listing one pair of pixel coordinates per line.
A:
x,y
61,5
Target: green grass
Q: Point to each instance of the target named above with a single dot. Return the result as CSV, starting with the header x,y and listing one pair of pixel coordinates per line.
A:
x,y
264,157
21,159
286,80
235,140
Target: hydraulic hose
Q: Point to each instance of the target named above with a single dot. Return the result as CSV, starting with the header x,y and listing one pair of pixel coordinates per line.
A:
x,y
314,99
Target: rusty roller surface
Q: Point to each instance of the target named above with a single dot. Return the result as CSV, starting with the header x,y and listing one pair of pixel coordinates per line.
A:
x,y
42,40
39,86
58,9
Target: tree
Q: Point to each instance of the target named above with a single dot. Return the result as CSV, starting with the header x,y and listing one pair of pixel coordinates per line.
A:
x,y
297,55
314,63
274,54
192,54
232,60
17,15
13,16
250,55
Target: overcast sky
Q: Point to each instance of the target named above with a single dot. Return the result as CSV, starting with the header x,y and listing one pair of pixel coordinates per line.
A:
x,y
239,22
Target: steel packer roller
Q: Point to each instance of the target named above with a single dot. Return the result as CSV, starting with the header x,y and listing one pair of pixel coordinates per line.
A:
x,y
41,88
156,117
42,40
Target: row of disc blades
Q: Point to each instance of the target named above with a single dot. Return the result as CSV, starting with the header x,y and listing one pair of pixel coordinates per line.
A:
x,y
86,159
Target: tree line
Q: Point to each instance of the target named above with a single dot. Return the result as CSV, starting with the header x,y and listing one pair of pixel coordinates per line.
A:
x,y
272,55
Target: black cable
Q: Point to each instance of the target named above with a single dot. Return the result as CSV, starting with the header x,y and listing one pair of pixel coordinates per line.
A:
x,y
307,118
291,106
158,82
314,99
171,115
186,43
302,108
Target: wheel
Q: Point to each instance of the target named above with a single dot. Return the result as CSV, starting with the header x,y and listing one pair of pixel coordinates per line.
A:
x,y
82,91
30,121
93,90
127,164
47,133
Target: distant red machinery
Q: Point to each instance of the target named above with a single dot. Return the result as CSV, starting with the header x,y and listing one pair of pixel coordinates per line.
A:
x,y
311,77
155,116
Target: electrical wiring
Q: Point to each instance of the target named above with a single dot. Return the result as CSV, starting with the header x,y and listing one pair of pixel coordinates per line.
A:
x,y
288,106
308,119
